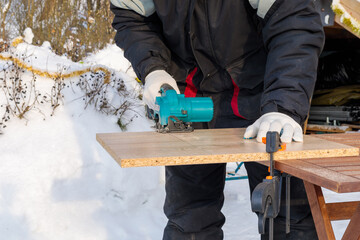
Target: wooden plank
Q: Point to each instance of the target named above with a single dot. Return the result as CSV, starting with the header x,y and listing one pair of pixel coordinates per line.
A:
x,y
331,162
341,210
354,126
354,143
339,136
326,128
352,232
207,146
319,212
344,169
337,32
352,7
338,21
335,164
351,139
352,173
320,176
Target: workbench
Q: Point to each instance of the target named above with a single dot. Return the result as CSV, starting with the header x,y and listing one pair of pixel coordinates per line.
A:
x,y
339,174
331,161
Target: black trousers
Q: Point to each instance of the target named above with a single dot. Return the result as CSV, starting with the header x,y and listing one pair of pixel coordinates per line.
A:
x,y
194,198
194,194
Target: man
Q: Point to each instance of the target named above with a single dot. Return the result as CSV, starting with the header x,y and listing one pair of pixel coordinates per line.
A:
x,y
256,59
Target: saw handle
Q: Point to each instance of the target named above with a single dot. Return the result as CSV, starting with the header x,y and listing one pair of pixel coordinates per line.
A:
x,y
150,112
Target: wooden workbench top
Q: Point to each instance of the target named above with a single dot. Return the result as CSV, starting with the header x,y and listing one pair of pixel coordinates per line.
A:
x,y
139,149
339,174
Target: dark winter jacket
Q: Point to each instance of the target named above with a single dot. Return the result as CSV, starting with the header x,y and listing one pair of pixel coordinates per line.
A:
x,y
267,60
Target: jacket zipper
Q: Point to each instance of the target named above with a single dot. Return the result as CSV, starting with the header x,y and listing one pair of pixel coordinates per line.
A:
x,y
192,37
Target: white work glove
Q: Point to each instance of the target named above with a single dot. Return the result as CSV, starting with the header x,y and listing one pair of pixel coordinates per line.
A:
x,y
153,82
275,121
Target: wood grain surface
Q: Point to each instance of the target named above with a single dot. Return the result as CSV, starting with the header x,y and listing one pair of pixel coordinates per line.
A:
x,y
353,8
339,174
139,149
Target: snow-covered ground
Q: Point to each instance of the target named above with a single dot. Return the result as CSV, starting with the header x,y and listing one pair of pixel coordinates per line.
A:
x,y
57,182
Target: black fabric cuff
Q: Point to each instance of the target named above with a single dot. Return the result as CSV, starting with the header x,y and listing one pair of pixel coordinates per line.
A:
x,y
273,107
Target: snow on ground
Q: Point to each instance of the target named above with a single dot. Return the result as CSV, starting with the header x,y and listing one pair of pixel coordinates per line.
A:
x,y
57,182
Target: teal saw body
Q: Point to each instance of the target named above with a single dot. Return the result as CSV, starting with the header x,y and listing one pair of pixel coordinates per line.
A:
x,y
176,112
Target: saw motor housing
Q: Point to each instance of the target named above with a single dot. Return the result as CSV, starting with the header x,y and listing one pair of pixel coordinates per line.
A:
x,y
176,112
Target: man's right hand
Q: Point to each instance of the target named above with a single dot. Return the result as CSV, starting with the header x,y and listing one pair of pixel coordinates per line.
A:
x,y
153,83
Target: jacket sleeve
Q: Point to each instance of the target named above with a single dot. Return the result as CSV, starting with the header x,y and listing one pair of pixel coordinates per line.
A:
x,y
293,37
141,39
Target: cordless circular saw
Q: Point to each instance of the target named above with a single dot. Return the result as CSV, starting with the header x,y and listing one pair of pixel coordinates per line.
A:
x,y
176,113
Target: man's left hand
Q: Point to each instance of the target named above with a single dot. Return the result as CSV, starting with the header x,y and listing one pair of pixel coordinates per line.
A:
x,y
287,127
